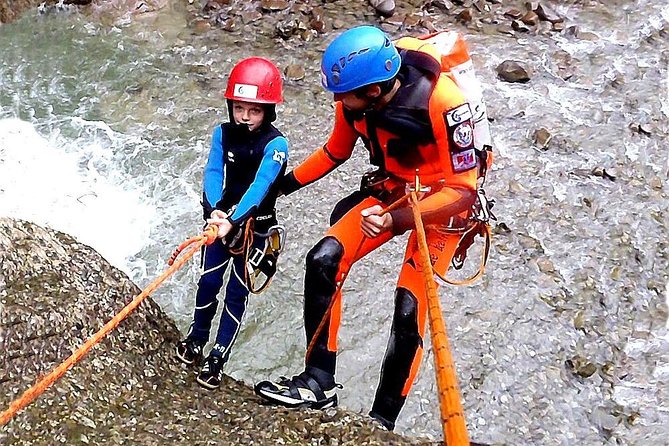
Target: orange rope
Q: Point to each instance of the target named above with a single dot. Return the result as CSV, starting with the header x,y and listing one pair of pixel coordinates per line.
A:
x,y
206,238
452,414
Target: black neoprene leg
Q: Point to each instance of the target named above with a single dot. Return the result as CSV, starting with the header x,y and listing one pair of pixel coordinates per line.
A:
x,y
319,287
402,347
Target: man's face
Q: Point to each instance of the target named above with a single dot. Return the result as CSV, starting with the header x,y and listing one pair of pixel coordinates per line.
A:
x,y
248,113
353,101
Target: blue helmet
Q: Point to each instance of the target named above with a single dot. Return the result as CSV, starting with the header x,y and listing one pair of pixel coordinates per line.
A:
x,y
360,56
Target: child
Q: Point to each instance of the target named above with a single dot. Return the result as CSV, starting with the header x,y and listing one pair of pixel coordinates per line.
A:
x,y
248,155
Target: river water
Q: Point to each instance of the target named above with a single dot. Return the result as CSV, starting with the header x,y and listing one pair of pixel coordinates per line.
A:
x,y
104,131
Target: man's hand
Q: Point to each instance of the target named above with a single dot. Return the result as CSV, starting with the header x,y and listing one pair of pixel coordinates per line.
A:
x,y
374,224
220,219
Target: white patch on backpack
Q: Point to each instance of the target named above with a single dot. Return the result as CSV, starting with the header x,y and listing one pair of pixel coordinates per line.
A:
x,y
231,156
279,157
458,115
463,135
463,161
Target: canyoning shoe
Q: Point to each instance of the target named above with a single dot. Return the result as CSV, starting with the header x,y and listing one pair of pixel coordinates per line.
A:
x,y
387,424
299,391
211,375
189,351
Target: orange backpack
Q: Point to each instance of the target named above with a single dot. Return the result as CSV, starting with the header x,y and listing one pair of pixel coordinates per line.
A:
x,y
450,49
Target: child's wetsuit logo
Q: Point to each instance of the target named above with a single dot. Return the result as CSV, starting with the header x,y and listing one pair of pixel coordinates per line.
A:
x,y
279,157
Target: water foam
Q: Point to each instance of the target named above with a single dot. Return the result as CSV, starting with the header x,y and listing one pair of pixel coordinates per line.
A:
x,y
43,183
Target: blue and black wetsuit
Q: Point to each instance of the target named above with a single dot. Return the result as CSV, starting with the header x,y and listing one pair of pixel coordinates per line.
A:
x,y
241,173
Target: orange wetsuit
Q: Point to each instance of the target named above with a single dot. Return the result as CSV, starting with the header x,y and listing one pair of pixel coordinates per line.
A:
x,y
426,128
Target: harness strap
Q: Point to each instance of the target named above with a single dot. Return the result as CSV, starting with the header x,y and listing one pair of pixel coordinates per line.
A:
x,y
478,228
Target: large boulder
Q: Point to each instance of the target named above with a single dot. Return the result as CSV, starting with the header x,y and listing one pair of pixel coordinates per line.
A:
x,y
54,294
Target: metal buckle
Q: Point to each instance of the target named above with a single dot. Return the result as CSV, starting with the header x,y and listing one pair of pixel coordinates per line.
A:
x,y
416,186
482,209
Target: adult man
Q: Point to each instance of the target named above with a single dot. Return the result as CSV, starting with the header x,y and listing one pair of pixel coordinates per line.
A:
x,y
413,121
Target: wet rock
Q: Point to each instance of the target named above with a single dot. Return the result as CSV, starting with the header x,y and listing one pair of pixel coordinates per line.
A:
x,y
228,24
465,16
641,129
558,27
428,25
548,14
603,173
513,14
519,26
274,5
201,26
318,25
385,8
482,6
580,366
251,16
287,28
294,72
444,5
564,64
530,18
542,137
54,294
513,71
338,24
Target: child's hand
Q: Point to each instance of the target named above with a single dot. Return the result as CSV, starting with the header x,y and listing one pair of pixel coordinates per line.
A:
x,y
224,228
217,214
220,219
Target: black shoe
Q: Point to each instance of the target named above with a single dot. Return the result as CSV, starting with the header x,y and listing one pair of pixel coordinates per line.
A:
x,y
301,390
189,351
212,372
390,425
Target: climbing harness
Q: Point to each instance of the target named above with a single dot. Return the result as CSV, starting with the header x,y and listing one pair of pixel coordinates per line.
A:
x,y
261,263
206,238
478,223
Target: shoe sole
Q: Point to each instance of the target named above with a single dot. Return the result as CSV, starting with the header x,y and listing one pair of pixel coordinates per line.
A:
x,y
183,359
206,385
292,402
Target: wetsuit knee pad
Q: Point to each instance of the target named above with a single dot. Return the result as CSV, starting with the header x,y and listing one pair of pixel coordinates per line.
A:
x,y
320,284
322,266
405,320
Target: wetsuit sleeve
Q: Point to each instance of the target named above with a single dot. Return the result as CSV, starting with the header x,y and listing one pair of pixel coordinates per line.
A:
x,y
274,158
324,160
454,134
214,174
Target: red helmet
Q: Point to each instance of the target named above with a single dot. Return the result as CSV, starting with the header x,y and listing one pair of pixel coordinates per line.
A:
x,y
255,80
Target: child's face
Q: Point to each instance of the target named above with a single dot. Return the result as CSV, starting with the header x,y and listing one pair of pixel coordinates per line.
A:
x,y
248,113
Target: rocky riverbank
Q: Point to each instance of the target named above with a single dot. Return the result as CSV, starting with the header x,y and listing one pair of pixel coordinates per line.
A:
x,y
54,294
